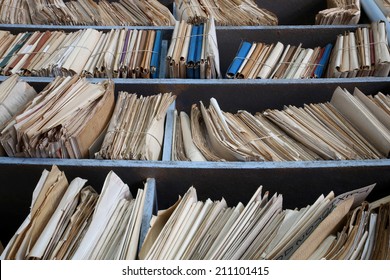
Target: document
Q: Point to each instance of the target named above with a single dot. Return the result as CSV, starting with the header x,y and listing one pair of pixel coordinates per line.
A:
x,y
85,12
228,12
62,121
136,129
193,51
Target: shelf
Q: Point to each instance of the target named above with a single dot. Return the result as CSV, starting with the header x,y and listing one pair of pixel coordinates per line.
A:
x,y
229,38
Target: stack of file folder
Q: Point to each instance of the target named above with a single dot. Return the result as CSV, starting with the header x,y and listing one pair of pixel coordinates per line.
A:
x,y
193,52
136,129
278,61
340,12
227,12
118,53
62,121
333,227
14,95
85,12
72,221
349,127
364,52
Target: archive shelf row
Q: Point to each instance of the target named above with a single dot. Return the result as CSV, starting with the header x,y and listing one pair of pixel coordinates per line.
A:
x,y
299,182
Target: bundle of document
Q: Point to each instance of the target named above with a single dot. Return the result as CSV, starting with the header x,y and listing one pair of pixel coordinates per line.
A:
x,y
362,53
228,12
194,230
85,12
118,53
14,95
349,127
278,61
136,129
340,12
363,236
62,121
72,221
193,52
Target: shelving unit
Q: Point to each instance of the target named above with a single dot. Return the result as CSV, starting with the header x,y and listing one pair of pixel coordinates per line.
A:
x,y
299,182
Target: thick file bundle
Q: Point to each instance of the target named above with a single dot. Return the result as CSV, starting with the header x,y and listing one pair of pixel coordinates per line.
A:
x,y
212,230
364,52
118,53
362,236
278,61
14,95
349,127
136,129
193,52
62,121
72,221
229,12
85,12
340,12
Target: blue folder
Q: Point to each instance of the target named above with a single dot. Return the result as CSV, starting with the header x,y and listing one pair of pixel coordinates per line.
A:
x,y
191,52
238,60
323,61
198,51
155,60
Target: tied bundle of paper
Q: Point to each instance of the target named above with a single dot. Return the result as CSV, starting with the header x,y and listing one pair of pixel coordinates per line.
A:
x,y
14,96
197,230
72,221
119,222
340,12
368,114
362,53
277,61
119,53
85,12
193,52
346,128
62,121
228,12
359,232
193,229
136,129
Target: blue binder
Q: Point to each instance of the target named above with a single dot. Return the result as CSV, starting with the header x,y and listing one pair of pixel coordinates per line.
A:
x,y
155,60
323,61
191,52
198,51
238,60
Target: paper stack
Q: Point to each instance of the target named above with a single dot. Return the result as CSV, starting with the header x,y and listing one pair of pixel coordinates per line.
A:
x,y
362,53
194,230
193,52
340,12
278,61
72,221
85,12
62,121
136,129
349,127
228,12
118,53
